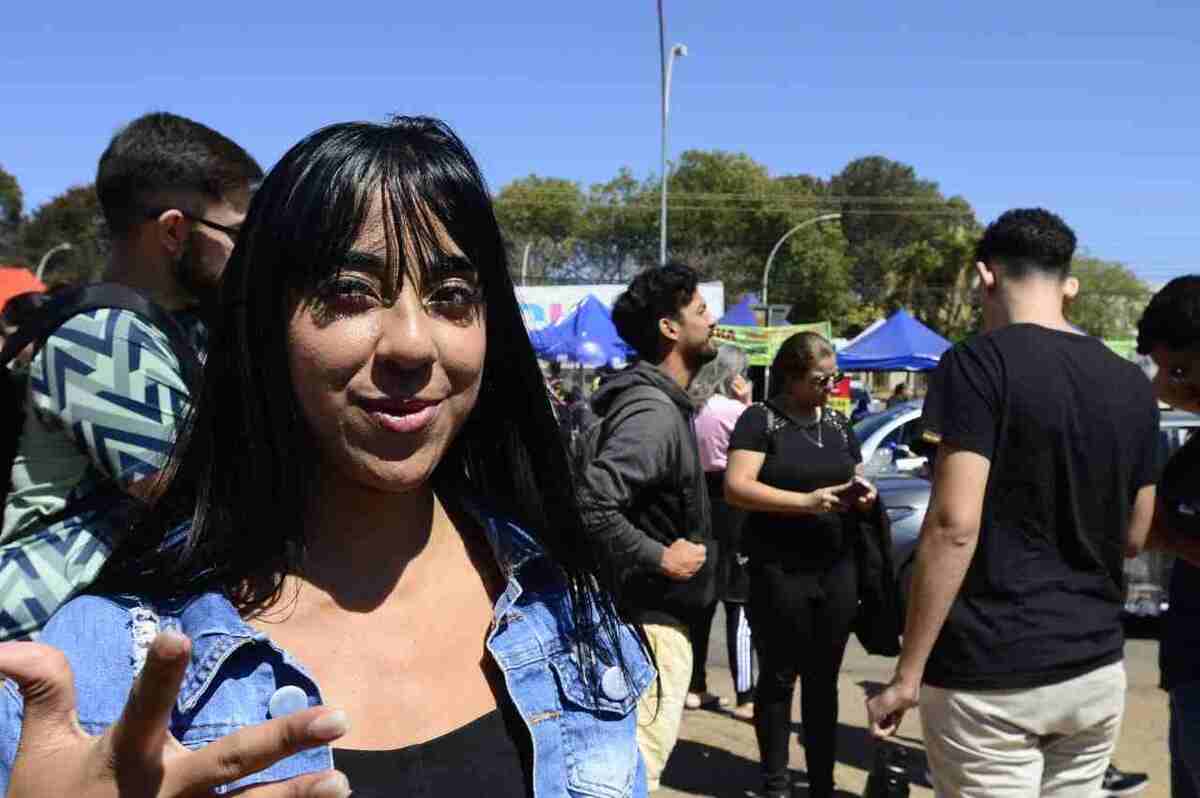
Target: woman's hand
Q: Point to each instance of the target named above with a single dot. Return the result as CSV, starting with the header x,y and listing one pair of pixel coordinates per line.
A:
x,y
743,390
865,494
828,500
137,757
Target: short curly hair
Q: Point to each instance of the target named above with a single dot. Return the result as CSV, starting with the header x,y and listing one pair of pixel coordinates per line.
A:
x,y
1027,241
1172,319
655,294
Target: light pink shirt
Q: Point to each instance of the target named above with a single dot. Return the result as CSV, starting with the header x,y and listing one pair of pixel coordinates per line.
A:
x,y
714,426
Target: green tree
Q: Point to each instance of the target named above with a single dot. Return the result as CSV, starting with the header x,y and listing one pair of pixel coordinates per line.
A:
x,y
728,215
1111,298
72,217
12,205
618,234
887,212
539,216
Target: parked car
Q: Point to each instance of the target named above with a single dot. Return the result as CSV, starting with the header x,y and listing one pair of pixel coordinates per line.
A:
x,y
905,494
890,440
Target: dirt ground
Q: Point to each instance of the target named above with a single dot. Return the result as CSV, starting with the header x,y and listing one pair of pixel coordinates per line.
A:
x,y
717,754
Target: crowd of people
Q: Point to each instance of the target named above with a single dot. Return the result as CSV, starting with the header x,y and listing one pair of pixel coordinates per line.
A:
x,y
292,512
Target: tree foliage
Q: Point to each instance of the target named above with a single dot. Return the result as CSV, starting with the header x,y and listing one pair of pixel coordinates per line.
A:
x,y
1111,298
899,241
72,217
12,204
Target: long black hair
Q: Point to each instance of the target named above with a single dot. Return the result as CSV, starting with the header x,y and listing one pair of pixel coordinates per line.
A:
x,y
245,461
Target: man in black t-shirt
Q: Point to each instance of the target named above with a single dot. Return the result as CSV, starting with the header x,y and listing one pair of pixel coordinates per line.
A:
x,y
1044,480
1169,332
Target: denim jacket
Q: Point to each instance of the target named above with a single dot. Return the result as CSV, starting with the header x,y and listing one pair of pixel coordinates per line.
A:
x,y
582,730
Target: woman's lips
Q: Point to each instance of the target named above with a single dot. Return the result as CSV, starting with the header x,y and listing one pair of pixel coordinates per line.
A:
x,y
407,417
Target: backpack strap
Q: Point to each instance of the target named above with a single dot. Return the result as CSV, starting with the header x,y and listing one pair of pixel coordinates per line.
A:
x,y
83,299
95,296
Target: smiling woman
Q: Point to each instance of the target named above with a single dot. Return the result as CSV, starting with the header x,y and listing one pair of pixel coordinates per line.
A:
x,y
370,507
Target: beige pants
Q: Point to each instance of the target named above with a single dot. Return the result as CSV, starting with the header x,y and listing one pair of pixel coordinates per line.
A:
x,y
1053,741
660,713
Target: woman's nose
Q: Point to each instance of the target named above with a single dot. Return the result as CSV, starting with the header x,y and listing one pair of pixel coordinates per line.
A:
x,y
406,338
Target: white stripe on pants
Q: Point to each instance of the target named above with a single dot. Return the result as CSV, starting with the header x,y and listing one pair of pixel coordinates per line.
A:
x,y
745,650
1053,741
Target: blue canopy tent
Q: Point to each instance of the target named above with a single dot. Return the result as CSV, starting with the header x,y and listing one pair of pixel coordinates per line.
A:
x,y
586,336
899,344
741,314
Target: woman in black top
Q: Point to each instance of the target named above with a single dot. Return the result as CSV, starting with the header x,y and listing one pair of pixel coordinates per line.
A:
x,y
793,465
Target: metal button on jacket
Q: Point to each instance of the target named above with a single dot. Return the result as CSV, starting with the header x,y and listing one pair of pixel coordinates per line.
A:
x,y
613,684
286,700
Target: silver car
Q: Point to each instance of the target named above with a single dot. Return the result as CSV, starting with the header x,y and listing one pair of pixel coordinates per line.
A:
x,y
905,493
888,439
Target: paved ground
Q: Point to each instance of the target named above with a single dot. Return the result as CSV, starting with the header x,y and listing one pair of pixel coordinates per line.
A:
x,y
717,755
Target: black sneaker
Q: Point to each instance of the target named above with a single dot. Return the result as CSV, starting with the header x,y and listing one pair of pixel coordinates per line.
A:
x,y
1117,782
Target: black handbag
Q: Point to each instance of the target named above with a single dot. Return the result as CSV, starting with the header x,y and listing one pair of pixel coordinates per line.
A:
x,y
879,622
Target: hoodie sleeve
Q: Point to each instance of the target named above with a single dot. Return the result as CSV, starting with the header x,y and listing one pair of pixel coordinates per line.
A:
x,y
636,455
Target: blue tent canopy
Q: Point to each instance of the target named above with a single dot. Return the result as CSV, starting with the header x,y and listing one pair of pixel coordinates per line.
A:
x,y
585,336
899,344
741,314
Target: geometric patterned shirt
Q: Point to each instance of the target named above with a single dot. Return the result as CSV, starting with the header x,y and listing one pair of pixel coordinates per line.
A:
x,y
105,396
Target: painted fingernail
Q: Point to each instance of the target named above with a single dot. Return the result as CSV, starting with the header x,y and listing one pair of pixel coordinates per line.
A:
x,y
330,726
335,785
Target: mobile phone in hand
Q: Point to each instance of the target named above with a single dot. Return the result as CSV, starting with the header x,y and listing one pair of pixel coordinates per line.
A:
x,y
856,490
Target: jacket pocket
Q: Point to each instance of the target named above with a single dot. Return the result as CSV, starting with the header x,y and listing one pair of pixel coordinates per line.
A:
x,y
599,724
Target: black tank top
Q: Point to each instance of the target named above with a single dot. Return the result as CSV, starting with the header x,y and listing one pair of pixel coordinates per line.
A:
x,y
489,756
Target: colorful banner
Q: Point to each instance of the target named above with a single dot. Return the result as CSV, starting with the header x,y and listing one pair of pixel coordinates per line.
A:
x,y
543,305
839,400
761,343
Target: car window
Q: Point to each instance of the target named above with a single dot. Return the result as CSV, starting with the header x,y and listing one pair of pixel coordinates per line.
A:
x,y
871,424
892,438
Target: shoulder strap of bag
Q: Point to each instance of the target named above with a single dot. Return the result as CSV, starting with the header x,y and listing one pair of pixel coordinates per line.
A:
x,y
84,299
95,296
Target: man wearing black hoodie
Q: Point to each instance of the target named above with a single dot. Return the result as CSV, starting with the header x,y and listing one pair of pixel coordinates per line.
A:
x,y
644,494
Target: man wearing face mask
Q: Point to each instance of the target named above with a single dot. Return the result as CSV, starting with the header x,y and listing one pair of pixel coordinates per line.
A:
x,y
107,385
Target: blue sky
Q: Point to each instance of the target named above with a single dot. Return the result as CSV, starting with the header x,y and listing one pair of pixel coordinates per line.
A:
x,y
1087,108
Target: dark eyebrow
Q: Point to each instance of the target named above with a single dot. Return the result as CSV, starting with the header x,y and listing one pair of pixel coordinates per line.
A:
x,y
357,260
452,264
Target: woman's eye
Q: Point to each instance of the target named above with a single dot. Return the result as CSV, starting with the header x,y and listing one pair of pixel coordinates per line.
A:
x,y
456,300
345,296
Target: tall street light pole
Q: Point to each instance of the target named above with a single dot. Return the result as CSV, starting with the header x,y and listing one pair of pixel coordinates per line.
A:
x,y
667,62
825,217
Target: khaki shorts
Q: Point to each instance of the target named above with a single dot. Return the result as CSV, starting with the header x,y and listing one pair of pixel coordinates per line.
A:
x,y
1054,741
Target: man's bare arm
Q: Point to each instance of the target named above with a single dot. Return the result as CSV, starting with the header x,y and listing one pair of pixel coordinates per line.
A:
x,y
947,546
949,536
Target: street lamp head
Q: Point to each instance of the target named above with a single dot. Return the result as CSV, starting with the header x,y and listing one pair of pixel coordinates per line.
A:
x,y
679,49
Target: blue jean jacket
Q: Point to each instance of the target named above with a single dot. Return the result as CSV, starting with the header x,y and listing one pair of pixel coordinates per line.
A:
x,y
582,730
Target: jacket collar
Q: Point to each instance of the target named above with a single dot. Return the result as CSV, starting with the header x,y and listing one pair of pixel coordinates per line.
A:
x,y
217,630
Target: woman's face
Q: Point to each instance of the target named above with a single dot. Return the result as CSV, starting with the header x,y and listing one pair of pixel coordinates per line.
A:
x,y
385,389
813,387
